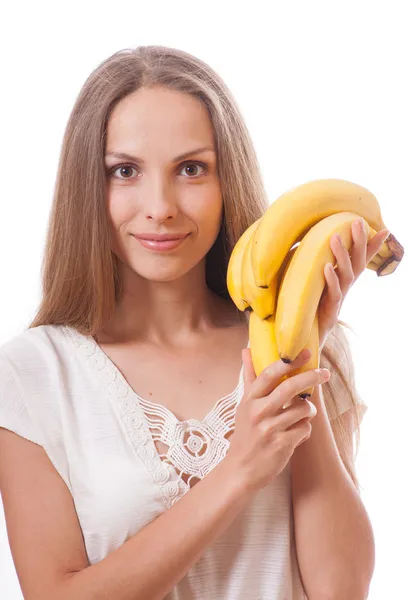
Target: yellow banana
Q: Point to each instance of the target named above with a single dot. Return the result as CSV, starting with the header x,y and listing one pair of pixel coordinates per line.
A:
x,y
233,276
261,300
313,363
373,265
313,338
264,350
290,217
302,285
262,336
263,344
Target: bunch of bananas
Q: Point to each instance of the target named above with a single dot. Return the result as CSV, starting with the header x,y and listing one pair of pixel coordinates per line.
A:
x,y
276,269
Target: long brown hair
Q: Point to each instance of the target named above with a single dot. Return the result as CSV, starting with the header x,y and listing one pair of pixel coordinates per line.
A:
x,y
81,281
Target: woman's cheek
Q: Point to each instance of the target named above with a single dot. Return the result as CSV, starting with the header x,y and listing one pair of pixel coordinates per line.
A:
x,y
205,209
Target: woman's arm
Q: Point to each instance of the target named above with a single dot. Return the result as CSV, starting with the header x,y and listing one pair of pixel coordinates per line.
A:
x,y
47,544
334,536
152,562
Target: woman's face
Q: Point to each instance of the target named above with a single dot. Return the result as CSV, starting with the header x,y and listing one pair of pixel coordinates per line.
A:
x,y
154,191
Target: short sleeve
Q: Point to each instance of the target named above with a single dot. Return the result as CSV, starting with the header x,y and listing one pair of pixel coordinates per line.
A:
x,y
14,414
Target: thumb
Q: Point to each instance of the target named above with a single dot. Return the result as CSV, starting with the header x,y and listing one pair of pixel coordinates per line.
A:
x,y
249,373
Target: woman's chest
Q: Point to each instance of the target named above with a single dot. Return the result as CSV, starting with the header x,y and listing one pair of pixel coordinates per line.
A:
x,y
189,408
189,387
176,416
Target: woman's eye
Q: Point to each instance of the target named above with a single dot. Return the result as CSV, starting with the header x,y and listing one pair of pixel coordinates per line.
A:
x,y
193,165
122,168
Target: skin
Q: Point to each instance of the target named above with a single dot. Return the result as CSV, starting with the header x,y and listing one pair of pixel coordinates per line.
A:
x,y
166,300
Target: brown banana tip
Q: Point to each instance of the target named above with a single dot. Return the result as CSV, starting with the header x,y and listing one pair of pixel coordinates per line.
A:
x,y
395,247
388,267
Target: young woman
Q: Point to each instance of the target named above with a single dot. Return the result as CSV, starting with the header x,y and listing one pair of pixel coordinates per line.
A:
x,y
140,457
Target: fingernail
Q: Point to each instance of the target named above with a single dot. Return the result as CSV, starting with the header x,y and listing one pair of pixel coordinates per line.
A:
x,y
360,223
325,372
305,354
313,410
339,239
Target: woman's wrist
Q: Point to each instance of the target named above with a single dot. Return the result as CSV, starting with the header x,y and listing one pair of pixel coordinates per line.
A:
x,y
234,480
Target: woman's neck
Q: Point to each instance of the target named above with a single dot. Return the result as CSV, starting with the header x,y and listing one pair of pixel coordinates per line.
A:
x,y
168,313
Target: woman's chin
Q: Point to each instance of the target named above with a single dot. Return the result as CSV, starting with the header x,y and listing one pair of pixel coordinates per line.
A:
x,y
162,275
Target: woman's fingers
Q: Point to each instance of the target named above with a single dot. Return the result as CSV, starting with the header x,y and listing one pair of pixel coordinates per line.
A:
x,y
249,373
295,385
288,418
269,379
272,404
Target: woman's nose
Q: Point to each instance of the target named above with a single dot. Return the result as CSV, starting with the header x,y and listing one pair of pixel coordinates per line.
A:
x,y
160,200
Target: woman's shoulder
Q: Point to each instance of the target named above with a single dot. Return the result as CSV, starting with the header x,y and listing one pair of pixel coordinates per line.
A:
x,y
32,345
36,358
27,400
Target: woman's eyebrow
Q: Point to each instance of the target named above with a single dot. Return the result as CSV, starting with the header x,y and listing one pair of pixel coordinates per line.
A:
x,y
124,156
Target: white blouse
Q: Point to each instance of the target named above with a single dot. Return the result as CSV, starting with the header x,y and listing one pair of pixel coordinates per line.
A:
x,y
60,390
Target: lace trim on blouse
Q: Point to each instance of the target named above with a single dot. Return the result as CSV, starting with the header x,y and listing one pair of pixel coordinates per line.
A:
x,y
194,447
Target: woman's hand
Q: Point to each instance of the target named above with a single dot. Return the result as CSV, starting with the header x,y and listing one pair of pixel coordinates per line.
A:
x,y
266,434
349,269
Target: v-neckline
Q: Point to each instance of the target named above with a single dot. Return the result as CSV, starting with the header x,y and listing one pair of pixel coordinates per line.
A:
x,y
132,413
143,400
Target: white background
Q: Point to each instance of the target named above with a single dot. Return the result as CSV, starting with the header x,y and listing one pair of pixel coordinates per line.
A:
x,y
328,89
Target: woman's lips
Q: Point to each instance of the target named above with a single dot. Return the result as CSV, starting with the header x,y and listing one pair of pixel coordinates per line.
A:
x,y
161,245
